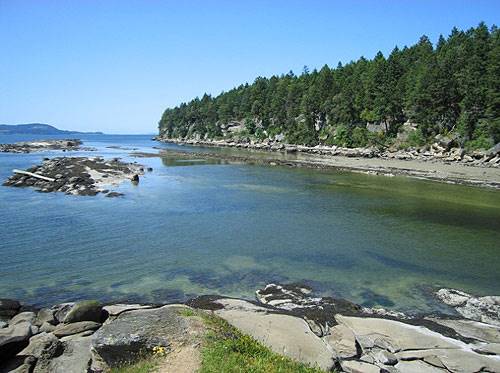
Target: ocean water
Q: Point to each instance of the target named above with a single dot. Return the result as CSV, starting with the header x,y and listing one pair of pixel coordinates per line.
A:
x,y
206,227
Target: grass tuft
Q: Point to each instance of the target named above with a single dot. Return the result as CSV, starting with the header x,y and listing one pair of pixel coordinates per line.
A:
x,y
226,350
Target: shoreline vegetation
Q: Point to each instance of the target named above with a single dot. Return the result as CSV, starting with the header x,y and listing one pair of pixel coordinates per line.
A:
x,y
286,328
422,102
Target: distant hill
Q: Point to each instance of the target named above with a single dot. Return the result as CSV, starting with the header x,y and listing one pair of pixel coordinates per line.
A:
x,y
36,129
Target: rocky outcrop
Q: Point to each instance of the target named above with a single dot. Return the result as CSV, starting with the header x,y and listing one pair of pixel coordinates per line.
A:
x,y
77,175
290,319
485,309
375,340
43,145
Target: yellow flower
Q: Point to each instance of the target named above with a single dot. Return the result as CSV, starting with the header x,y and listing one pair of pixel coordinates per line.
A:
x,y
159,351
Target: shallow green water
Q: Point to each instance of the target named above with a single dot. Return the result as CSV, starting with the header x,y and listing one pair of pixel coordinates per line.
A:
x,y
196,227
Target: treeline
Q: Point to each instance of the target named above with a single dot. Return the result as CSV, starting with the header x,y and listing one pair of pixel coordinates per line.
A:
x,y
452,88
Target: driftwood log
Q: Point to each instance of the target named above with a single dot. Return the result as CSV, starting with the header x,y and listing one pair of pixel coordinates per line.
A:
x,y
34,175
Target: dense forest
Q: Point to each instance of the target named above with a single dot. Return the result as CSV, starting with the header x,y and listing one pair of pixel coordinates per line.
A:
x,y
451,88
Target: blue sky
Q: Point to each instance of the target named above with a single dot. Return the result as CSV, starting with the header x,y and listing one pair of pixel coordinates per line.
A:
x,y
114,66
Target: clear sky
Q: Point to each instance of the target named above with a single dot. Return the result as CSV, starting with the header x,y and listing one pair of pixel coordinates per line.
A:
x,y
114,66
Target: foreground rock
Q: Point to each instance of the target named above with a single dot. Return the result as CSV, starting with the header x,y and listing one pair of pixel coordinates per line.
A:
x,y
290,319
42,145
136,332
78,176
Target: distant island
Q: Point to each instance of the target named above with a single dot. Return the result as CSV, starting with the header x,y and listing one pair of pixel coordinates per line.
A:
x,y
37,129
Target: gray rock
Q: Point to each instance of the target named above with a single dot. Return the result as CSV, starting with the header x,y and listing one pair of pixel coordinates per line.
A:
x,y
485,309
117,309
393,335
47,328
61,310
75,358
3,324
417,366
132,333
471,329
28,317
385,357
284,334
63,330
86,333
353,366
9,307
44,345
343,341
14,338
495,150
84,311
489,349
46,315
455,360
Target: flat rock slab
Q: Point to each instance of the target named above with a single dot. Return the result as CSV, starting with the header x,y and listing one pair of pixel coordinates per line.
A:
x,y
471,329
63,330
284,334
137,332
117,309
417,366
353,366
343,341
457,361
394,335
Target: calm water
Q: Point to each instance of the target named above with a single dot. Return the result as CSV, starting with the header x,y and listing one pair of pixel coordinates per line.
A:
x,y
193,228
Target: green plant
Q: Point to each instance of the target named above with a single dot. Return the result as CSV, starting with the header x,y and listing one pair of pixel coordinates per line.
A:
x,y
228,350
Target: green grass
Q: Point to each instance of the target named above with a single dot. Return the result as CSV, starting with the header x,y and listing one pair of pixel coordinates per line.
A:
x,y
226,350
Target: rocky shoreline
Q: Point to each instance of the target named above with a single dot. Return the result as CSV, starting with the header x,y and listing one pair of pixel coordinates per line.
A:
x,y
83,176
289,319
43,145
477,172
440,151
